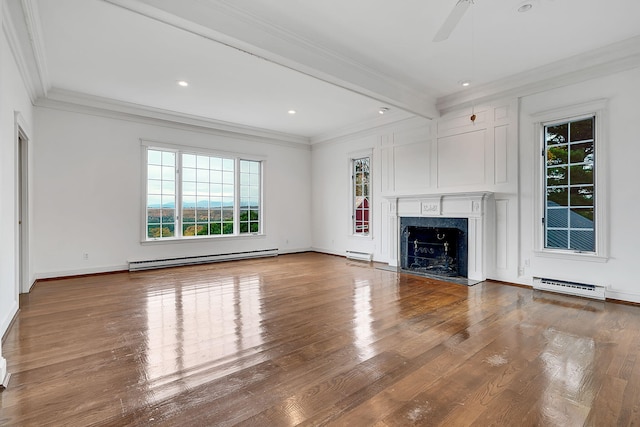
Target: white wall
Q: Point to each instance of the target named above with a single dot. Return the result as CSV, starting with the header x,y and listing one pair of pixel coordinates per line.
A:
x,y
87,192
619,273
14,99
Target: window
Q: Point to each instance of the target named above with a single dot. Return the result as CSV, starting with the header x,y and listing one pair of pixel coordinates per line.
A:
x,y
192,195
360,176
570,196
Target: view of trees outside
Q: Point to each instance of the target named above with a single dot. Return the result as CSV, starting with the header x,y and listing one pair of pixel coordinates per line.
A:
x,y
361,182
249,196
161,193
570,166
207,194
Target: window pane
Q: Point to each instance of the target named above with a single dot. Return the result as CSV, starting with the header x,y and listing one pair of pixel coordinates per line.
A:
x,y
167,230
558,155
582,218
188,230
215,228
581,174
557,176
168,158
557,197
168,215
168,173
582,153
169,187
582,240
154,216
154,157
154,201
582,130
558,239
202,162
558,217
154,186
153,231
558,134
188,161
582,196
154,172
227,227
188,215
188,174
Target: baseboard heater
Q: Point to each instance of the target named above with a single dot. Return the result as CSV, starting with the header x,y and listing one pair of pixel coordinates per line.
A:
x,y
202,259
359,256
571,288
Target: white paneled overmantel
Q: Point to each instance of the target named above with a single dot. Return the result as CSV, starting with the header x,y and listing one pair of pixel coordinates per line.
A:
x,y
477,207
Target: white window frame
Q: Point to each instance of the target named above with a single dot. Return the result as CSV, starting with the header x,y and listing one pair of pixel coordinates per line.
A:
x,y
599,110
182,149
355,156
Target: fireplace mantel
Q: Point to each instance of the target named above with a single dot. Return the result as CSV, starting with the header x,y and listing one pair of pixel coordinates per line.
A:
x,y
477,207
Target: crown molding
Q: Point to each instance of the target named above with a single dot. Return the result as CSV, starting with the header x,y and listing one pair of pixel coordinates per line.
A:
x,y
33,22
389,118
224,23
66,100
391,127
607,60
17,35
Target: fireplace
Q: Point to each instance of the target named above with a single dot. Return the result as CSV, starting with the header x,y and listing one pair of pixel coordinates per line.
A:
x,y
464,221
436,246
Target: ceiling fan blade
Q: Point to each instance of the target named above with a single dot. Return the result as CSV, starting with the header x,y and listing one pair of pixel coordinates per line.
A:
x,y
452,20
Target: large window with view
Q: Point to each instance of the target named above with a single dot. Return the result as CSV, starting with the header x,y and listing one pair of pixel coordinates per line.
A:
x,y
570,197
360,176
195,195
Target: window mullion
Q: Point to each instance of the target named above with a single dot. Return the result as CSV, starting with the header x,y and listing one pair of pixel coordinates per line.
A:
x,y
178,226
236,197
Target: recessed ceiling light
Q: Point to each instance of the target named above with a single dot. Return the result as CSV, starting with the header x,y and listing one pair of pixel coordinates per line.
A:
x,y
525,7
383,110
292,112
183,83
465,83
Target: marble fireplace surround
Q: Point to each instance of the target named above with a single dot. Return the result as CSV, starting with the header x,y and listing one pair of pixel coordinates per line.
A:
x,y
478,208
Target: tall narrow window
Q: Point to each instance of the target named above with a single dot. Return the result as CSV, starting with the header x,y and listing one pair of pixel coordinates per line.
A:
x,y
195,195
570,203
361,195
161,194
249,196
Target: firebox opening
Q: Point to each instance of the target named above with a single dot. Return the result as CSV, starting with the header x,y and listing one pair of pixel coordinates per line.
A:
x,y
434,246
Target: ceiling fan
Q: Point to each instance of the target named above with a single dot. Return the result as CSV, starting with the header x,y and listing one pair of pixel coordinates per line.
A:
x,y
452,20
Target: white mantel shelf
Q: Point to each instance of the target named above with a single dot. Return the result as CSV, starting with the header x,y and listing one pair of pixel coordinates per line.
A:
x,y
477,207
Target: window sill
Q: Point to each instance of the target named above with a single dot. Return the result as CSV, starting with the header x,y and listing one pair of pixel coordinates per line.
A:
x,y
573,256
203,239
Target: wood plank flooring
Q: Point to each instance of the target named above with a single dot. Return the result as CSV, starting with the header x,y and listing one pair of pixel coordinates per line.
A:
x,y
311,339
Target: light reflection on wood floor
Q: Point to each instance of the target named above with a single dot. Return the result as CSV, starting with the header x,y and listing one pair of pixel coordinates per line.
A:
x,y
314,339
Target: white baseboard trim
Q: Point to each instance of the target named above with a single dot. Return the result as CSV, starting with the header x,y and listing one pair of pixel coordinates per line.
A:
x,y
6,322
81,272
4,375
294,251
612,294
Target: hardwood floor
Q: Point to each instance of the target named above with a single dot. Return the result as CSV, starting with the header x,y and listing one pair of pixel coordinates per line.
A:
x,y
311,339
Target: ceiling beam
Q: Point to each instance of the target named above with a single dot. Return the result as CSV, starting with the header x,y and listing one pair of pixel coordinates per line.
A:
x,y
221,22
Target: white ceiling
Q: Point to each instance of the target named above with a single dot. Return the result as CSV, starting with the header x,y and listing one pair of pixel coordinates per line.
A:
x,y
335,62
